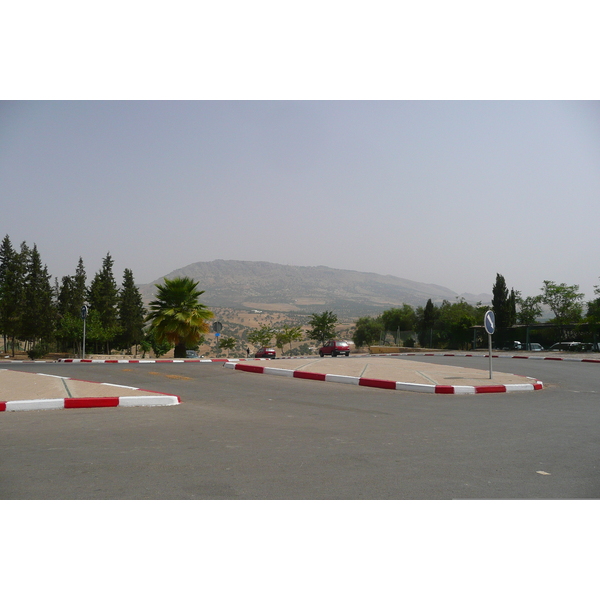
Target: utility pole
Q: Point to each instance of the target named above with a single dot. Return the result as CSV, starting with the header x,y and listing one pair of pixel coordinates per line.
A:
x,y
84,313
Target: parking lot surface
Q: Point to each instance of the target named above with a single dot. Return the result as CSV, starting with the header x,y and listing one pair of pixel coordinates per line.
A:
x,y
237,435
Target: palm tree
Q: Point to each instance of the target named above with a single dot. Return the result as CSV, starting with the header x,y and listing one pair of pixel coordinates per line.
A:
x,y
177,316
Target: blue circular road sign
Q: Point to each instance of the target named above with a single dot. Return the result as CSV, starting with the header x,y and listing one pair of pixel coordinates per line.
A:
x,y
489,322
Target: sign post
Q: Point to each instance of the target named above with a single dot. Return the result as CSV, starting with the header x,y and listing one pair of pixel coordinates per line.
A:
x,y
84,312
217,326
489,322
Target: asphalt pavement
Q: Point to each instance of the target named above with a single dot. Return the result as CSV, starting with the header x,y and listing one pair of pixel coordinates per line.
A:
x,y
241,435
18,389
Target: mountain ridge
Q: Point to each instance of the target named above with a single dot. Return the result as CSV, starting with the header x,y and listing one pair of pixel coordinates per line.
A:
x,y
286,288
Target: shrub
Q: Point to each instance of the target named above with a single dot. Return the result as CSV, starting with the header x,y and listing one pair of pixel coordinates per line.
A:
x,y
38,351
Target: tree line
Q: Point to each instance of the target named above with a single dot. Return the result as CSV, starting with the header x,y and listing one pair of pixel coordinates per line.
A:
x,y
451,324
43,315
322,327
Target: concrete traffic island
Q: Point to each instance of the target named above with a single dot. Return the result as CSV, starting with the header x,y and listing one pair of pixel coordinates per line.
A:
x,y
394,374
36,391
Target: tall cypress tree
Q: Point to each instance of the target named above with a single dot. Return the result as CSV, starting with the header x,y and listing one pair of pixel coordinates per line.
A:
x,y
37,322
500,302
71,296
430,314
79,288
504,306
103,297
7,258
512,305
64,297
12,273
103,294
131,312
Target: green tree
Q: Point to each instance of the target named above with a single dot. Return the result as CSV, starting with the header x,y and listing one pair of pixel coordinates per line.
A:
x,y
500,301
79,288
64,297
103,298
564,301
456,320
145,346
367,331
287,335
504,307
70,331
399,319
529,310
11,292
98,333
177,316
71,296
228,344
151,341
426,319
38,311
131,312
280,339
103,294
593,313
322,326
261,337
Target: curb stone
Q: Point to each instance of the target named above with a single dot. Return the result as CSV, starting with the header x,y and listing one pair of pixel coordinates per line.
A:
x,y
156,399
103,402
390,384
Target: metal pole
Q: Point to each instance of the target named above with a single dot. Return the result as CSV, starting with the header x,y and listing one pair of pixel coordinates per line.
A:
x,y
83,349
490,347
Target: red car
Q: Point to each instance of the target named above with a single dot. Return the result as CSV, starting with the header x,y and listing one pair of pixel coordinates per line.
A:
x,y
265,353
335,347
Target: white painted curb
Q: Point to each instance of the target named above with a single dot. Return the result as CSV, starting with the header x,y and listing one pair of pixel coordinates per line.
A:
x,y
392,385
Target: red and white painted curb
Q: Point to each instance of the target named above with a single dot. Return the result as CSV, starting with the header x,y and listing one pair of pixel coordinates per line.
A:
x,y
90,402
226,360
55,403
389,384
149,360
532,357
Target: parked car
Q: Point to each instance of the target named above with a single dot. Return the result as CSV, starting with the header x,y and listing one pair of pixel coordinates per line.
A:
x,y
513,346
572,346
335,348
535,347
265,353
191,354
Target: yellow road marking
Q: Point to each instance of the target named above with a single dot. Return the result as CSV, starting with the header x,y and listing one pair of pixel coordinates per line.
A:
x,y
170,376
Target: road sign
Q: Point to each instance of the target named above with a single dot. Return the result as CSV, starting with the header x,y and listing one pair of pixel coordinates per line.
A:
x,y
217,326
217,334
489,322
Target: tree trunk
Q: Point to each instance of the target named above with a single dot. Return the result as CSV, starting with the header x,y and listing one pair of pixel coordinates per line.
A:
x,y
180,350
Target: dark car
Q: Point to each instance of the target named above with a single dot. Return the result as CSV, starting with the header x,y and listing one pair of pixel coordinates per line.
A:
x,y
535,347
335,348
513,346
571,346
265,353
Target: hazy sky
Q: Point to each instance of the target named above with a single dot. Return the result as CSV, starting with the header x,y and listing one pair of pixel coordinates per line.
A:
x,y
444,192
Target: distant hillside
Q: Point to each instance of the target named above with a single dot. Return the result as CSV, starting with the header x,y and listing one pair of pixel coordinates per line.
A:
x,y
284,288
